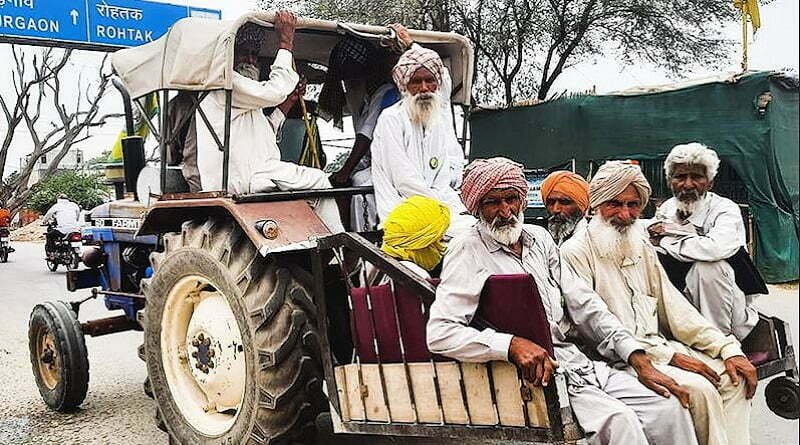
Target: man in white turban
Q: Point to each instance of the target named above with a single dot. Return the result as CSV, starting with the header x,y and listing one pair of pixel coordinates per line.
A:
x,y
614,256
709,259
414,147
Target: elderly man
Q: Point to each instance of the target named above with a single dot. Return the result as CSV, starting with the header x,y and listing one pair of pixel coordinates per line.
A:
x,y
566,197
615,257
715,235
611,405
414,148
255,159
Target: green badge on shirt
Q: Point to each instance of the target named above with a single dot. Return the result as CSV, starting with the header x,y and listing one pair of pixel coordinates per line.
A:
x,y
434,163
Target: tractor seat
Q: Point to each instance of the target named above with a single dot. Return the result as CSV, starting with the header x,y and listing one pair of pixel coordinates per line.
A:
x,y
509,303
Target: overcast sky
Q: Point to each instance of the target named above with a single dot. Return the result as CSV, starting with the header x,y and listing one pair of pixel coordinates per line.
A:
x,y
776,46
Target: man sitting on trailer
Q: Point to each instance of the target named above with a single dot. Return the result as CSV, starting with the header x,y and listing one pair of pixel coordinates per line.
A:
x,y
615,258
255,160
611,405
566,198
414,147
711,254
413,231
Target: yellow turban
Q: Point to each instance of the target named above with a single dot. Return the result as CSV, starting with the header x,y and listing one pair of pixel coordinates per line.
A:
x,y
413,231
570,184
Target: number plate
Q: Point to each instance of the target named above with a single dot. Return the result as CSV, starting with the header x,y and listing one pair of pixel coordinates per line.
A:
x,y
75,244
5,239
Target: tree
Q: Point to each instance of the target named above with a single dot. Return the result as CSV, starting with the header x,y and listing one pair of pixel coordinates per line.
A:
x,y
87,190
37,92
523,46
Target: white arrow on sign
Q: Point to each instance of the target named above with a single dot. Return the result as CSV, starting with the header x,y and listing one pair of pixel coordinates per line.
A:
x,y
74,15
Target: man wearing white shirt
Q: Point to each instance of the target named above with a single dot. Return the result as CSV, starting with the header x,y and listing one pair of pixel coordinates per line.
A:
x,y
255,160
414,147
65,214
711,284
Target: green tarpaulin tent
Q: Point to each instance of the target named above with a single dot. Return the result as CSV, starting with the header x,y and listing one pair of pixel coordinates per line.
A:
x,y
755,135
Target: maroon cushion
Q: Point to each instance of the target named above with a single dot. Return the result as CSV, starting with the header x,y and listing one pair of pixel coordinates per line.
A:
x,y
757,358
512,304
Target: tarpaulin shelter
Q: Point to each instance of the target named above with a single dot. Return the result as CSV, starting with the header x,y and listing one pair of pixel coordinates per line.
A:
x,y
751,120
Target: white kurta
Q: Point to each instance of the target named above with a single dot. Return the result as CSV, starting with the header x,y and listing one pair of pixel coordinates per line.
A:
x,y
639,293
255,160
409,160
611,405
710,283
65,213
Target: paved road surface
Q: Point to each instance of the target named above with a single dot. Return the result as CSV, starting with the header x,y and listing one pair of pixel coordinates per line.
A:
x,y
117,411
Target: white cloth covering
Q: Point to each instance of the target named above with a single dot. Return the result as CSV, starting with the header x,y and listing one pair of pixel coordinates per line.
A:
x,y
255,164
65,213
611,405
409,160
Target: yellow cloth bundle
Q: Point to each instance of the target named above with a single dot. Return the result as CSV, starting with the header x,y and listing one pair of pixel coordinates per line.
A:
x,y
413,231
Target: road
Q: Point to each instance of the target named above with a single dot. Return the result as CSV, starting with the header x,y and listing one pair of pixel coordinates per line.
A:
x,y
117,411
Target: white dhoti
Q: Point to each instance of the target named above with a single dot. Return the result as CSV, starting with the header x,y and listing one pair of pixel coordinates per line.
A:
x,y
287,176
711,288
363,212
623,411
721,414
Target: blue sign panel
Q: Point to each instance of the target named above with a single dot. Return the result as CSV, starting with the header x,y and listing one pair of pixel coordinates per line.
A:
x,y
100,22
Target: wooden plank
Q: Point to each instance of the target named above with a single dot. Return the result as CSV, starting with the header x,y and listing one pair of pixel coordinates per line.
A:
x,y
537,407
398,393
352,386
507,393
425,392
374,400
479,396
341,389
450,388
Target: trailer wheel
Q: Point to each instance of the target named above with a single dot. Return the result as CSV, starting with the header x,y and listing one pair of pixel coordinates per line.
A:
x,y
230,341
58,355
783,397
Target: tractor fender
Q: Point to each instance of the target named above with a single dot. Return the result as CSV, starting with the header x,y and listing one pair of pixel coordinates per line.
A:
x,y
278,226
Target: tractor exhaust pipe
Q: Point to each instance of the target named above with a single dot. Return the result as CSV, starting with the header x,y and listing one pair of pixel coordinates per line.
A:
x,y
132,146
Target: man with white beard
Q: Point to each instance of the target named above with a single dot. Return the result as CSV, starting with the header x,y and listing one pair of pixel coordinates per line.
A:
x,y
414,147
255,160
616,259
611,406
718,235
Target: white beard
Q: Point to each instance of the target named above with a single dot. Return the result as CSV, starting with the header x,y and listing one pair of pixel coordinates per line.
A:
x,y
506,235
423,107
614,243
247,70
562,228
687,207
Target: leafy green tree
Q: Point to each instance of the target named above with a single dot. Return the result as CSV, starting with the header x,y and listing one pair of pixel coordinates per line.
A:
x,y
86,190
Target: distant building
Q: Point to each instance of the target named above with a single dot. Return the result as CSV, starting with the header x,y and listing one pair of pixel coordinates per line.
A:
x,y
74,160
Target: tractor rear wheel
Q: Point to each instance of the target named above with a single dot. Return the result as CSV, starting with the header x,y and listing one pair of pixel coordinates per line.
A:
x,y
230,341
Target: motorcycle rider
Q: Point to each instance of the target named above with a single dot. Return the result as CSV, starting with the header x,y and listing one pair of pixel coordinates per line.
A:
x,y
5,222
64,213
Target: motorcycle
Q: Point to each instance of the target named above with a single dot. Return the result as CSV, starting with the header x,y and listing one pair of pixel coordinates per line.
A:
x,y
67,250
5,244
